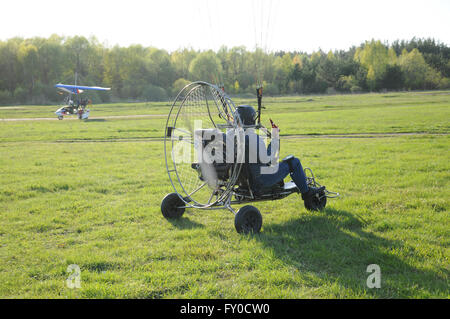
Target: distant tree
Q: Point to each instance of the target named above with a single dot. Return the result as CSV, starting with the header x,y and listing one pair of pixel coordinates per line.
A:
x,y
327,70
51,59
346,82
6,97
155,93
284,68
306,76
77,50
418,74
436,54
392,57
393,78
28,57
374,57
11,69
164,71
236,86
206,66
296,74
20,95
181,59
178,85
29,68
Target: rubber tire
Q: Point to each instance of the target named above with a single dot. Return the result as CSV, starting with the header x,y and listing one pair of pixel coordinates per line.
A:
x,y
170,206
60,117
248,220
315,204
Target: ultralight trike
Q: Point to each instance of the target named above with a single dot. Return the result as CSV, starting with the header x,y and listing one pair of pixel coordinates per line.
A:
x,y
224,178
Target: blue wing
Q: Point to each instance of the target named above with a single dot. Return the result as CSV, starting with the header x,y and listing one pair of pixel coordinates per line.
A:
x,y
76,89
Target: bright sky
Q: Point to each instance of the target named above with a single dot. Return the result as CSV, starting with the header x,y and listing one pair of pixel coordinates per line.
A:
x,y
205,24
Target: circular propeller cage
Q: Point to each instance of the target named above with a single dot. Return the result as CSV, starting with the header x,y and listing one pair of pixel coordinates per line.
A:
x,y
201,107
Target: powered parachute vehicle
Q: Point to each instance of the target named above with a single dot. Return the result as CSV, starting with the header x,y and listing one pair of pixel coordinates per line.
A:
x,y
74,104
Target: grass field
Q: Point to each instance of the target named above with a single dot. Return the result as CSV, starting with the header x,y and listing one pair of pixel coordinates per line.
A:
x,y
88,193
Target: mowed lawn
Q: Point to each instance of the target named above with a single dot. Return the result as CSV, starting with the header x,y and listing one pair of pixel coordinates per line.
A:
x,y
88,193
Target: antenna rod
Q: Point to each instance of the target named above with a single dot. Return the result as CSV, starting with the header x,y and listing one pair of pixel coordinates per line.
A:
x,y
259,93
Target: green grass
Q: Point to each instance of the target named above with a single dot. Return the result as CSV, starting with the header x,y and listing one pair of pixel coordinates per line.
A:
x,y
96,204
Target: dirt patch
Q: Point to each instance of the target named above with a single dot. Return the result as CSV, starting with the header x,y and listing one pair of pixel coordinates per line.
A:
x,y
91,118
11,108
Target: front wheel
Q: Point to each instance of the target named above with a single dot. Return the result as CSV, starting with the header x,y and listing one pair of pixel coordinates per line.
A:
x,y
317,202
248,220
172,206
60,117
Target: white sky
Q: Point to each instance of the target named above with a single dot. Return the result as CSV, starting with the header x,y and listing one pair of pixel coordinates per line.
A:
x,y
205,24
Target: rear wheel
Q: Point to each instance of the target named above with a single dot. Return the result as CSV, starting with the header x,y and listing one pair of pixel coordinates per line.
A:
x,y
248,220
171,206
316,202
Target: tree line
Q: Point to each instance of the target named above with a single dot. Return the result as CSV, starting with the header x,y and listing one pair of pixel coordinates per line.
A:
x,y
29,69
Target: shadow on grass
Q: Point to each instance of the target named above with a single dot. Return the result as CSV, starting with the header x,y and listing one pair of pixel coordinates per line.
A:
x,y
185,223
333,248
95,120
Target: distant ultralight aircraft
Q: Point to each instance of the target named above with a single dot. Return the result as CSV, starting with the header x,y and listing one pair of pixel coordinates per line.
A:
x,y
77,106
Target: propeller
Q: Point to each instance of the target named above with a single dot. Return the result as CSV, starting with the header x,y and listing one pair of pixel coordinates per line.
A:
x,y
206,178
206,152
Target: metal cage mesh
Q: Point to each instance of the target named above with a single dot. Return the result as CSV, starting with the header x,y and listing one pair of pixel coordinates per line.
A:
x,y
198,106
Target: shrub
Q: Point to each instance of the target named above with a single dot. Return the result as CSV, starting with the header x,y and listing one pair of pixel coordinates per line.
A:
x,y
355,89
5,97
155,93
20,95
178,85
